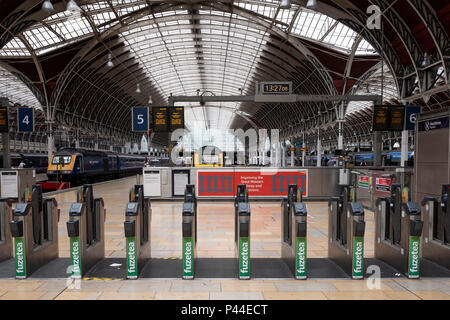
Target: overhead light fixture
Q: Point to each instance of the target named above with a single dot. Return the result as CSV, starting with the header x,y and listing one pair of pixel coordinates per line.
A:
x,y
311,4
396,145
72,6
47,6
110,63
138,88
150,100
285,4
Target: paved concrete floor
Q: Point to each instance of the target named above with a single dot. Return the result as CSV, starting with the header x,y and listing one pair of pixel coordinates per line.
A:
x,y
215,239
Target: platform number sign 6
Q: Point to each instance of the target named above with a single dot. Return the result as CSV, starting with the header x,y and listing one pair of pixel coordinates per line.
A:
x,y
140,119
25,119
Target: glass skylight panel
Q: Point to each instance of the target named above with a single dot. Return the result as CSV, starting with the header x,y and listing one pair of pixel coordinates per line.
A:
x,y
127,10
15,47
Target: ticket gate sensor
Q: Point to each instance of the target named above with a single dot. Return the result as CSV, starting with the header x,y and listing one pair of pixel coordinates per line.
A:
x,y
397,231
5,233
346,227
137,231
189,232
86,230
35,231
242,231
436,232
293,224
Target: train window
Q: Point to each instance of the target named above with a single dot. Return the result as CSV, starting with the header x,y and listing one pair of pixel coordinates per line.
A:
x,y
57,159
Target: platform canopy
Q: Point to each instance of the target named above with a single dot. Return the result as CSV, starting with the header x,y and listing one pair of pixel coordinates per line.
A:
x,y
87,69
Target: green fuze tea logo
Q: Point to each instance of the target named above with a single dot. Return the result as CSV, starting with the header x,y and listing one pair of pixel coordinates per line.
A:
x,y
244,253
131,257
301,258
20,266
414,247
187,257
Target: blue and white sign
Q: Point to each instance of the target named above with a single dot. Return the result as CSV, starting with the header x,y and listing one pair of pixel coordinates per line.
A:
x,y
25,119
411,117
140,119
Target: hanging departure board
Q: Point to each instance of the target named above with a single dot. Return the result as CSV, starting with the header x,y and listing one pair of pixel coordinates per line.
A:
x,y
397,118
176,115
160,119
4,126
388,118
380,118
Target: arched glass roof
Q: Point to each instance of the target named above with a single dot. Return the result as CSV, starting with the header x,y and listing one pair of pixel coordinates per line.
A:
x,y
183,50
379,83
16,91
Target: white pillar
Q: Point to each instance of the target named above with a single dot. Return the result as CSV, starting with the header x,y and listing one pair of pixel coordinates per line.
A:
x,y
50,142
404,148
303,152
292,158
319,150
283,156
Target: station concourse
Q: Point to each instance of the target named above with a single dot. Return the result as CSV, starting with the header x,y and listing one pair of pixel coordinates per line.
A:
x,y
224,150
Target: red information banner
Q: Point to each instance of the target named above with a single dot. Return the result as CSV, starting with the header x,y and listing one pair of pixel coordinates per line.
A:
x,y
383,184
260,183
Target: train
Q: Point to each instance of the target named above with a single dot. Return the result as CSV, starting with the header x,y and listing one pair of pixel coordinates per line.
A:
x,y
79,166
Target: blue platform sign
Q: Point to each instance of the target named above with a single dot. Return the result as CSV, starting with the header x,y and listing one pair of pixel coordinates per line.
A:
x,y
25,119
411,117
140,119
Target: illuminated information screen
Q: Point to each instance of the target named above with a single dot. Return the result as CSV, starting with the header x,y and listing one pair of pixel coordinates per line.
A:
x,y
380,118
276,87
160,119
176,118
4,128
397,118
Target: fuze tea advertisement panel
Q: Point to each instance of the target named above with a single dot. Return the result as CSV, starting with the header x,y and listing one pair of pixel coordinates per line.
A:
x,y
260,183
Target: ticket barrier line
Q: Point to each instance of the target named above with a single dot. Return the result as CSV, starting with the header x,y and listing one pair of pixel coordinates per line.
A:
x,y
398,229
6,248
86,230
293,232
189,233
137,232
436,230
346,228
34,229
242,232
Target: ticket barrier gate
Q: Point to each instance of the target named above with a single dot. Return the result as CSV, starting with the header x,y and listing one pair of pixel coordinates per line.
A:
x,y
293,242
436,232
35,231
346,227
397,231
86,230
137,227
5,233
189,230
242,231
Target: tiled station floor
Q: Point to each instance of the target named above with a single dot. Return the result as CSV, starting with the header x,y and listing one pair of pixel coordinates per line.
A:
x,y
215,239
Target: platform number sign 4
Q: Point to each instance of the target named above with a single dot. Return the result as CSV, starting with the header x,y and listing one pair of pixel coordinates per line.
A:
x,y
25,119
140,119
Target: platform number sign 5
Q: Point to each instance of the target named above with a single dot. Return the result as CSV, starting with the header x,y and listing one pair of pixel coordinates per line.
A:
x,y
25,119
140,119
